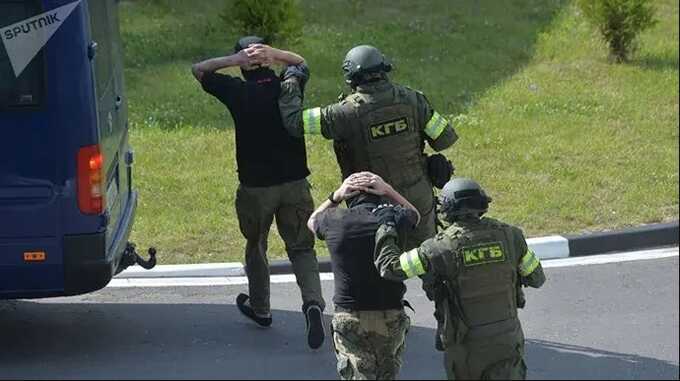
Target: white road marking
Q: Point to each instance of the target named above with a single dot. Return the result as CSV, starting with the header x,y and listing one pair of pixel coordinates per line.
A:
x,y
185,271
198,282
612,258
289,278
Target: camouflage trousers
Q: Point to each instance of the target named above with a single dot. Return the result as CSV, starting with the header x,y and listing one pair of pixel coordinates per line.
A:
x,y
369,344
291,204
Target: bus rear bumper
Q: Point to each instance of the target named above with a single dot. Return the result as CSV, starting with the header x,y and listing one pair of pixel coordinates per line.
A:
x,y
86,267
87,264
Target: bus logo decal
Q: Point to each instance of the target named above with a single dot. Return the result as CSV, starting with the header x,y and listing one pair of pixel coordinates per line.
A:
x,y
23,40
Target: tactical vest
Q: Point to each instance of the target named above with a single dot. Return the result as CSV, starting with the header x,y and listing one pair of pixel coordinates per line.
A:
x,y
386,138
482,276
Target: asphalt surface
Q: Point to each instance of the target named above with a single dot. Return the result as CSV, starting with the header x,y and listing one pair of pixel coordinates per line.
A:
x,y
608,321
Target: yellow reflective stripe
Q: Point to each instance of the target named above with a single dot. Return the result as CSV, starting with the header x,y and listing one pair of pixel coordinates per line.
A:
x,y
312,120
420,269
411,264
405,266
529,263
436,126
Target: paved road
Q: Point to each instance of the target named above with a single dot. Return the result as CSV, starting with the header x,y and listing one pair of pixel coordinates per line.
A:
x,y
607,321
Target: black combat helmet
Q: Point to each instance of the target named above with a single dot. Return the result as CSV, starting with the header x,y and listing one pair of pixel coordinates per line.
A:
x,y
461,197
364,62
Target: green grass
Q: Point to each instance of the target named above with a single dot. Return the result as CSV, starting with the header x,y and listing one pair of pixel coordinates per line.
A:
x,y
564,141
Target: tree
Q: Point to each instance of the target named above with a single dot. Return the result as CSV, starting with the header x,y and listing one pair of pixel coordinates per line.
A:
x,y
619,22
273,20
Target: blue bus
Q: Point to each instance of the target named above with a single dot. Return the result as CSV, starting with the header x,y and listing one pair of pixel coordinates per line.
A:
x,y
67,201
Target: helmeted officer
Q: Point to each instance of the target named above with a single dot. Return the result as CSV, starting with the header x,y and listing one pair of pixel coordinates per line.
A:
x,y
381,127
473,271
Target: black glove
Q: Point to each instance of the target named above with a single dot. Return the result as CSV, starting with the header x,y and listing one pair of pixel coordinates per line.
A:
x,y
387,214
439,169
298,71
406,219
397,216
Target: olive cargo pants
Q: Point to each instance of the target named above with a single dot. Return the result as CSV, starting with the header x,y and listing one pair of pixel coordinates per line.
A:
x,y
487,355
291,204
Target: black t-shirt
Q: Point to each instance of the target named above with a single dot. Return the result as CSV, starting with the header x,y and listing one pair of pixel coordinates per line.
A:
x,y
350,236
265,153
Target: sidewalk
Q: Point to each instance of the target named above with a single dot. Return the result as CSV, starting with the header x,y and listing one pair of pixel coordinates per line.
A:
x,y
548,247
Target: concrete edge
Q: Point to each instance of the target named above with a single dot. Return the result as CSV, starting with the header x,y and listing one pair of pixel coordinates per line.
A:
x,y
558,246
184,271
549,247
641,237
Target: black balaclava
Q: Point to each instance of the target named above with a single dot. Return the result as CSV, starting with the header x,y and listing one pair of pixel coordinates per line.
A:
x,y
364,198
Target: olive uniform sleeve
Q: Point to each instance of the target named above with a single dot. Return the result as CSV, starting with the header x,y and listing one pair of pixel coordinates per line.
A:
x,y
290,106
391,262
394,264
312,121
437,130
326,121
437,247
530,270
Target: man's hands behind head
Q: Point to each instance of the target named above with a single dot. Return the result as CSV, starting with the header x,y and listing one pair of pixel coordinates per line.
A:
x,y
260,54
362,182
370,183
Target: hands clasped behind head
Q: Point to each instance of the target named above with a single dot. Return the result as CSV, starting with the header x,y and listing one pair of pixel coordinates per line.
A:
x,y
259,54
368,182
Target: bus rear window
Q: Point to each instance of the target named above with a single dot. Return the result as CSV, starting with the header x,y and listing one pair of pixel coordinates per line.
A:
x,y
27,89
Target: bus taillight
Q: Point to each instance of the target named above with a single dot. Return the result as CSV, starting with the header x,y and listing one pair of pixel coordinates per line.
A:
x,y
90,180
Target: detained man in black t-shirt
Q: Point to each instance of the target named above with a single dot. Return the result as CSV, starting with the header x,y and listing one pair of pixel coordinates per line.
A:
x,y
369,324
272,170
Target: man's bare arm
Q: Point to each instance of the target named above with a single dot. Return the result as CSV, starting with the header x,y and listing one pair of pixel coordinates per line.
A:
x,y
211,65
268,55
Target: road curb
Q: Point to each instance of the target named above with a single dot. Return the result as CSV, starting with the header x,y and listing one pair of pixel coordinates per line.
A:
x,y
549,247
559,246
203,270
642,237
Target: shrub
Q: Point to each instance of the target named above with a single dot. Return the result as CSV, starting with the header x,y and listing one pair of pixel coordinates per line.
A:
x,y
619,22
273,20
